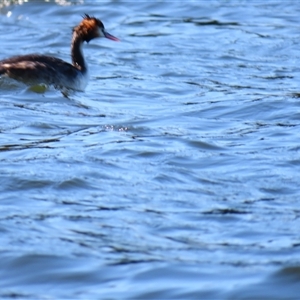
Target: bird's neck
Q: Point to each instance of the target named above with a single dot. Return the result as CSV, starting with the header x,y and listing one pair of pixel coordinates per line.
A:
x,y
76,53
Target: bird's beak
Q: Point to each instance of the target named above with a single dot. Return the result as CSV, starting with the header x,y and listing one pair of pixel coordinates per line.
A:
x,y
110,37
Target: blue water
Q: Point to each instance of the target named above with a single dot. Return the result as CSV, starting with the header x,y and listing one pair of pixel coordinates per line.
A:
x,y
175,175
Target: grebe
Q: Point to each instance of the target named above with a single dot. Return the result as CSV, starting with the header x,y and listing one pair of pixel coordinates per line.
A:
x,y
35,69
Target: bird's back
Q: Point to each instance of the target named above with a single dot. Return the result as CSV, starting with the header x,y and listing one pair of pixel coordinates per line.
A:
x,y
38,69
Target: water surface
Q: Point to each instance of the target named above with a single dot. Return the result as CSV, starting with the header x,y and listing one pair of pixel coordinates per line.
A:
x,y
175,175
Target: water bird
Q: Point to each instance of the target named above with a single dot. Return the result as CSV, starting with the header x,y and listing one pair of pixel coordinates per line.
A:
x,y
36,69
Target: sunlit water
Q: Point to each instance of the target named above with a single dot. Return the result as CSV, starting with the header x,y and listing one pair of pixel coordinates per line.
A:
x,y
175,175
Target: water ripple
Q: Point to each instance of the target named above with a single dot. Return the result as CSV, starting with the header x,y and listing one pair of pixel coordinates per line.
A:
x,y
174,175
